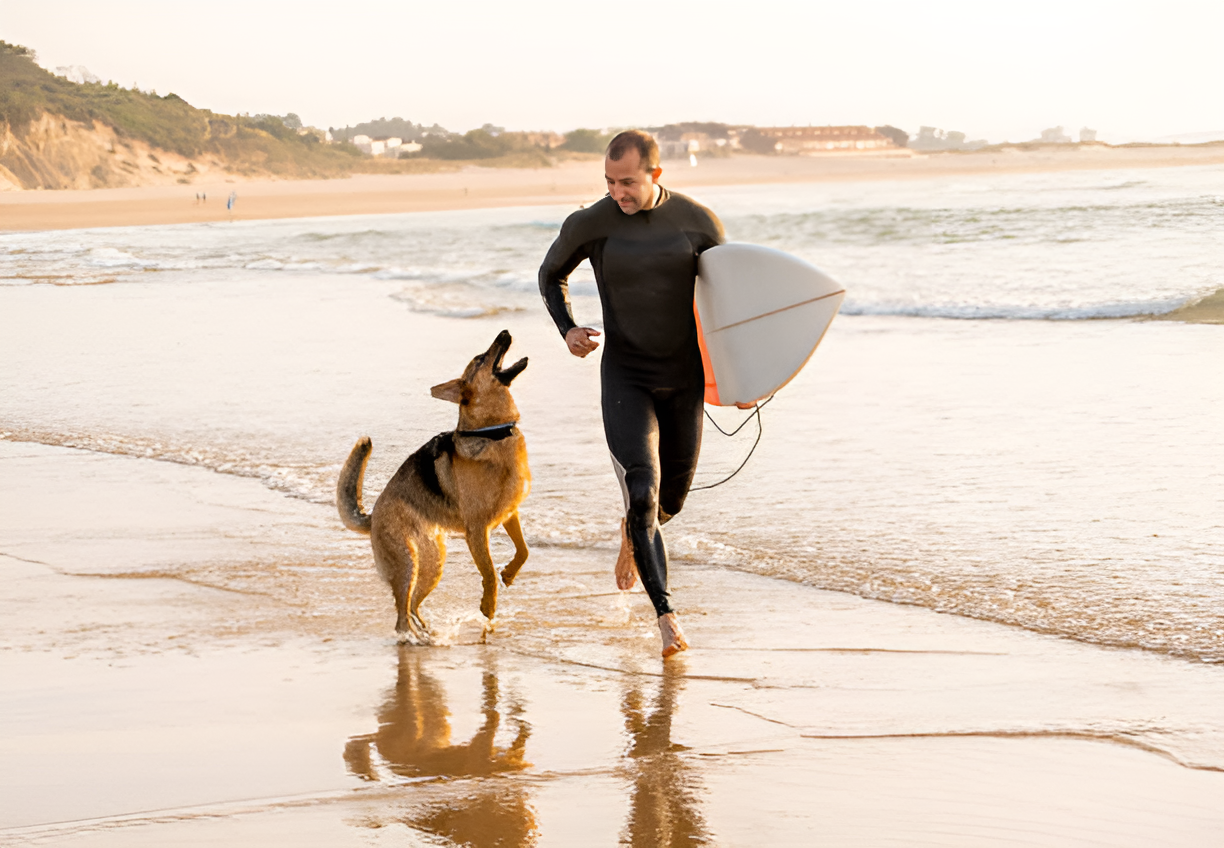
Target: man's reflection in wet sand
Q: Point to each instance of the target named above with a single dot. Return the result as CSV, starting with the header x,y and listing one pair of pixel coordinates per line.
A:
x,y
663,807
414,740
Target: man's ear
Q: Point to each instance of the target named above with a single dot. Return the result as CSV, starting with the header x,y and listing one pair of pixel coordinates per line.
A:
x,y
452,391
655,174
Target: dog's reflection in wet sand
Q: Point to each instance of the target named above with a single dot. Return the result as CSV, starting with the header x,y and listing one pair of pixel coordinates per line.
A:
x,y
413,740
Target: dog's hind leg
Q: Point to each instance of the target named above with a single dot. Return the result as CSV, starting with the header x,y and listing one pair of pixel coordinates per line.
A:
x,y
396,558
515,531
478,544
431,557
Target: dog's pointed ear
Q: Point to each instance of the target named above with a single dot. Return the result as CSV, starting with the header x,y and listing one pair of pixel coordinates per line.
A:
x,y
451,390
506,375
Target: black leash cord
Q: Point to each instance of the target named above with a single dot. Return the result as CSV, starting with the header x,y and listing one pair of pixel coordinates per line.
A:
x,y
760,429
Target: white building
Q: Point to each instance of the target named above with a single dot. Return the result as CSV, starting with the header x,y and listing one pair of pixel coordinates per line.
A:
x,y
388,147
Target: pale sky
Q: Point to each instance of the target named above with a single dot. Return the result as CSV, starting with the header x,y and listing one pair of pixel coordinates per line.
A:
x,y
1000,71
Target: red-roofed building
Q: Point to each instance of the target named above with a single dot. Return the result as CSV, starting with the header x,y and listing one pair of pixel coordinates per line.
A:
x,y
810,141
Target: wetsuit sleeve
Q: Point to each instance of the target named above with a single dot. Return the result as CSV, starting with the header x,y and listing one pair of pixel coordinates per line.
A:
x,y
563,257
710,234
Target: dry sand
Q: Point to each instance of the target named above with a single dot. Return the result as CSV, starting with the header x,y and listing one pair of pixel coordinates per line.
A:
x,y
569,182
189,658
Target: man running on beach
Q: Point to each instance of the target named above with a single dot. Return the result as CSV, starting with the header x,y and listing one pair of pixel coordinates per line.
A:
x,y
643,242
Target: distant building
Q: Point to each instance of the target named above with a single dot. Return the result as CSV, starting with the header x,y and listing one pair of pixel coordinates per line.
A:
x,y
1087,135
1055,135
691,143
810,141
389,147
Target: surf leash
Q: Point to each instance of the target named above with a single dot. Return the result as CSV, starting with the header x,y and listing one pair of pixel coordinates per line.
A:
x,y
756,413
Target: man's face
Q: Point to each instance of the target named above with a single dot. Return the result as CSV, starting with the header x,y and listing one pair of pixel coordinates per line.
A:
x,y
630,185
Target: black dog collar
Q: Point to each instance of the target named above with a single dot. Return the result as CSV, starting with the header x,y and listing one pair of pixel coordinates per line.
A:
x,y
494,434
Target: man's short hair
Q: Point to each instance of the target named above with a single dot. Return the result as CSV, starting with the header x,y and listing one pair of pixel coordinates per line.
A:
x,y
642,142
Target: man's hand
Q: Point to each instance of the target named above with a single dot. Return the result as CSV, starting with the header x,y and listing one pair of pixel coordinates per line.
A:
x,y
580,340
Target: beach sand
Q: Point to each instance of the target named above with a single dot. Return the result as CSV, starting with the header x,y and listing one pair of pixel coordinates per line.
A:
x,y
569,182
1208,310
192,659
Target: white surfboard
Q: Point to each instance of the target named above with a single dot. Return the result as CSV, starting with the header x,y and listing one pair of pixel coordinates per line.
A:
x,y
760,315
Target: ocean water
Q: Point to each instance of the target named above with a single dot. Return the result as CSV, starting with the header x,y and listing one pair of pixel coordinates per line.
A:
x,y
991,428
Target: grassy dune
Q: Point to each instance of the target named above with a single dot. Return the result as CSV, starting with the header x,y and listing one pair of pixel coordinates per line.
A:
x,y
29,95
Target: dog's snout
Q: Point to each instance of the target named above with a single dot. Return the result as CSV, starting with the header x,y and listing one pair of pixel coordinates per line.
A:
x,y
497,350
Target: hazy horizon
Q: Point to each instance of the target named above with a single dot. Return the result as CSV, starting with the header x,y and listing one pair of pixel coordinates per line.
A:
x,y
996,74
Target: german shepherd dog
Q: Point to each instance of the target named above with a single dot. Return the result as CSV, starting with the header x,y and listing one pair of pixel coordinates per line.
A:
x,y
467,480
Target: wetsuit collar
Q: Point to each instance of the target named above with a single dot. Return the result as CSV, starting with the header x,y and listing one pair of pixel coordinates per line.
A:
x,y
661,195
494,434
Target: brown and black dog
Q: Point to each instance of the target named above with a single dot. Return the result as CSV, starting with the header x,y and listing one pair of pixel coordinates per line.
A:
x,y
467,480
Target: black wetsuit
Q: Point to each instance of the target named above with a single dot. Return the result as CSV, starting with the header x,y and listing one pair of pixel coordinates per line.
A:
x,y
653,384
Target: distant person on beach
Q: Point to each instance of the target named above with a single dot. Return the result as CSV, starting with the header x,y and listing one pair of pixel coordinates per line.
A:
x,y
643,242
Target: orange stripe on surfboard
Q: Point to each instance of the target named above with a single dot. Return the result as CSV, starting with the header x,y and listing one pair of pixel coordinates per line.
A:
x,y
711,385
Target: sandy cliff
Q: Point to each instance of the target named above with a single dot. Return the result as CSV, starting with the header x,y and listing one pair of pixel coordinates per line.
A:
x,y
58,153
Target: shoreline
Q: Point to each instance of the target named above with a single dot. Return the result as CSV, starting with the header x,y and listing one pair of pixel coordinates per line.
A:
x,y
569,182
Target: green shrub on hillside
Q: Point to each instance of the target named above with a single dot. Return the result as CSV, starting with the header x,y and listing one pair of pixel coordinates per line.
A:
x,y
388,128
264,142
586,141
483,144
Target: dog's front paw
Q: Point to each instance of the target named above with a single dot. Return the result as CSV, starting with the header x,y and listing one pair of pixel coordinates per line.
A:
x,y
512,569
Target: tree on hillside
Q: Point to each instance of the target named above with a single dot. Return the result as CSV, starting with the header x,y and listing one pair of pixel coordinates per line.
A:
x,y
586,141
673,132
755,141
899,137
389,128
477,144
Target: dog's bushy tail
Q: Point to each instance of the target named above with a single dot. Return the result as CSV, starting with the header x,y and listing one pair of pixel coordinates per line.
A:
x,y
348,487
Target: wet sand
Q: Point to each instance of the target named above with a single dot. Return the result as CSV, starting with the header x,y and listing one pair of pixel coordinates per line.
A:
x,y
569,182
190,658
1207,310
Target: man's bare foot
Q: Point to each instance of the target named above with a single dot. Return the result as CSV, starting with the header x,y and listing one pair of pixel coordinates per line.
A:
x,y
673,636
626,569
